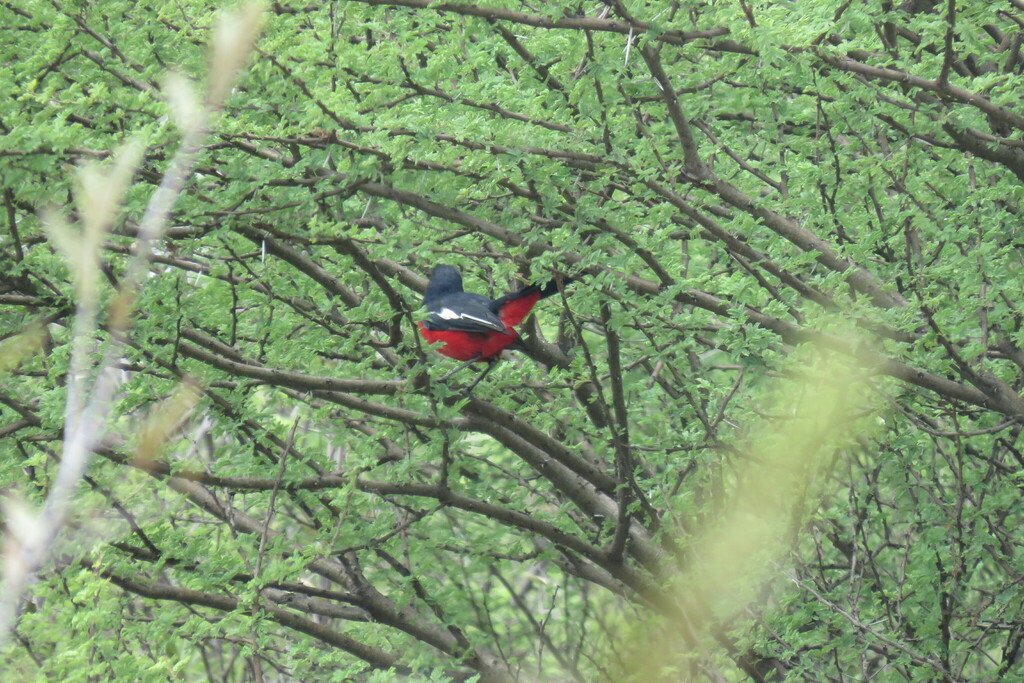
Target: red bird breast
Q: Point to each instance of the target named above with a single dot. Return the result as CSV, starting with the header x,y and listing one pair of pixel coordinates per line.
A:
x,y
468,345
472,327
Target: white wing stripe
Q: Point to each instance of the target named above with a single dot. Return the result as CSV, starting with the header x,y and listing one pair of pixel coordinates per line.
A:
x,y
449,314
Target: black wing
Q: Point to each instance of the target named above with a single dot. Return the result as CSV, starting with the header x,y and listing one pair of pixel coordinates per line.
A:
x,y
463,312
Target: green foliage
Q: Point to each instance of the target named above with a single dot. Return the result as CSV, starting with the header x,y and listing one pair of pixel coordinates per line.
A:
x,y
299,524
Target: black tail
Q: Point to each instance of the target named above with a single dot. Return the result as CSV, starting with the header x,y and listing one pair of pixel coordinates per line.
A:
x,y
545,291
552,287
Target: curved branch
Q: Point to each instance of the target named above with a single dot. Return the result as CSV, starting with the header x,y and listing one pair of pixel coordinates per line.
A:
x,y
579,23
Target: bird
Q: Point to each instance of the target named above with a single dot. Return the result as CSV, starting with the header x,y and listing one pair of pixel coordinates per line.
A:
x,y
473,327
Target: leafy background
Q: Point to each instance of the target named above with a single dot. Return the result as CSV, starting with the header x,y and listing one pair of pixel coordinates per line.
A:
x,y
726,183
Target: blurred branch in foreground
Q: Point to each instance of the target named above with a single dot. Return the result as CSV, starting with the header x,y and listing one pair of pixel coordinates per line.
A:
x,y
813,414
91,386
